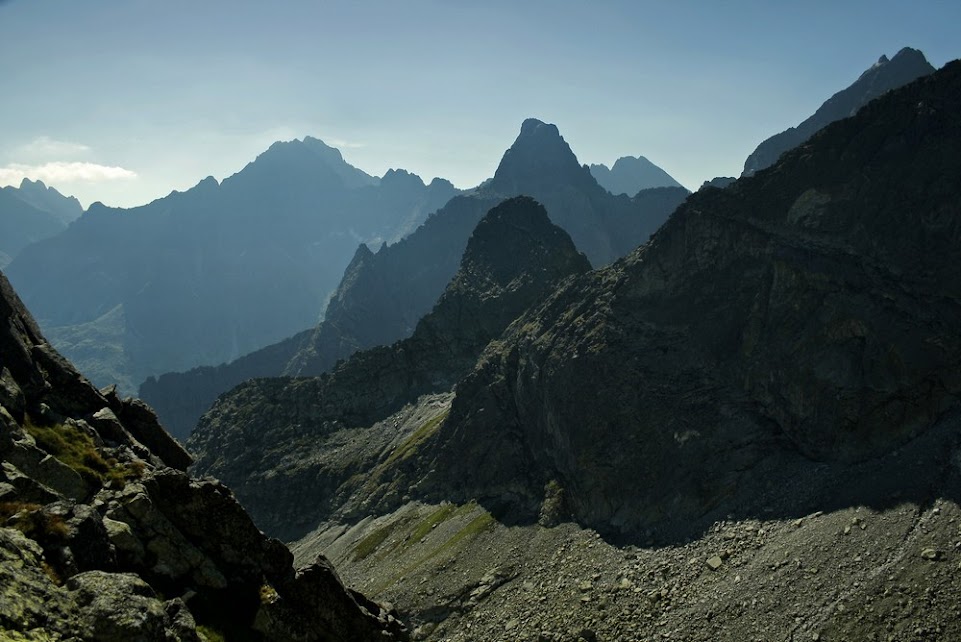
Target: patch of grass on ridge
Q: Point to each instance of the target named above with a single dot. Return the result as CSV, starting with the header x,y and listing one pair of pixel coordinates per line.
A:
x,y
76,449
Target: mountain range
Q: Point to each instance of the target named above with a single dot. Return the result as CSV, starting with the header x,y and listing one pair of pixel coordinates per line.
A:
x,y
748,427
210,274
383,295
764,395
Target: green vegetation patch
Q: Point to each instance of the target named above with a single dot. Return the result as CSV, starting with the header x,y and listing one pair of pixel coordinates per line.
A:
x,y
30,520
406,449
76,449
370,543
439,516
422,434
480,524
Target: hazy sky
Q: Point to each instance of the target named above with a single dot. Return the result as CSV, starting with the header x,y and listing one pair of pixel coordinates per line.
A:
x,y
124,100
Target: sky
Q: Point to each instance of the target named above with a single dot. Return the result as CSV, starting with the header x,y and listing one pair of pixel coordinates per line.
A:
x,y
123,101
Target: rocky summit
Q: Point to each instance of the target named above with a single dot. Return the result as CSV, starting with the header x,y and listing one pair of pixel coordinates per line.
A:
x,y
748,428
104,537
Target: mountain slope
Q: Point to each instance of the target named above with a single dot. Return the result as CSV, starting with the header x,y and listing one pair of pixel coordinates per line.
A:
x,y
885,75
514,256
104,537
629,175
810,310
220,270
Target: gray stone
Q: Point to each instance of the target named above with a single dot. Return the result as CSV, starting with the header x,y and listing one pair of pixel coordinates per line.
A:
x,y
117,607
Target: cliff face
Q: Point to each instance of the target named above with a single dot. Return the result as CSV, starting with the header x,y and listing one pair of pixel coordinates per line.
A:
x,y
104,537
885,75
812,309
266,436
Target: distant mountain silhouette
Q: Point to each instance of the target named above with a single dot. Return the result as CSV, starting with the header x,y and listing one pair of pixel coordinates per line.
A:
x,y
885,75
719,182
207,275
31,213
629,175
384,294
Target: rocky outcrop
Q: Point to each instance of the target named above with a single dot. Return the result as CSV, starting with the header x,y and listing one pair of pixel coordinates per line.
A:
x,y
630,174
811,309
104,537
885,75
513,258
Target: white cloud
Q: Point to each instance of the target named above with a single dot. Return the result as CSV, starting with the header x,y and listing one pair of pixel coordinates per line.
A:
x,y
44,147
63,172
344,144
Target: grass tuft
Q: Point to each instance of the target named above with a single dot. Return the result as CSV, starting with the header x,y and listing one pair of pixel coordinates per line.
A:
x,y
76,449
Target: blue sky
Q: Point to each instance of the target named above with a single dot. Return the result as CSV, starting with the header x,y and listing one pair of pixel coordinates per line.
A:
x,y
125,100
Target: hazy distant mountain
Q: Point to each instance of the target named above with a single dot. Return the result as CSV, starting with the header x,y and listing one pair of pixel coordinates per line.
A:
x,y
630,175
885,75
384,294
207,275
31,213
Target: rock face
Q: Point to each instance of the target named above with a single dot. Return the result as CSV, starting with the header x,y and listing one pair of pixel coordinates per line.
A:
x,y
384,294
513,258
775,317
104,537
885,75
812,309
630,174
205,276
31,213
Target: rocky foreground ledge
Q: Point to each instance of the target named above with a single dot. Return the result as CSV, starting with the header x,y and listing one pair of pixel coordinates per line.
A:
x,y
104,537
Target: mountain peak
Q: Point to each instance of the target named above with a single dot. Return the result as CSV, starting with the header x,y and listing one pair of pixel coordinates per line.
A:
x,y
883,76
401,177
515,237
308,155
631,174
539,156
533,126
26,183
